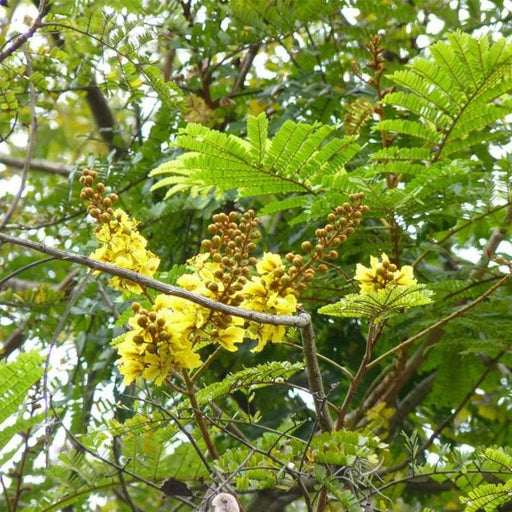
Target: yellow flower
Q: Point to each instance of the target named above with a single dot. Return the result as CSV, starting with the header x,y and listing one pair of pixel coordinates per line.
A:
x,y
261,296
125,247
382,274
157,345
265,333
268,263
230,336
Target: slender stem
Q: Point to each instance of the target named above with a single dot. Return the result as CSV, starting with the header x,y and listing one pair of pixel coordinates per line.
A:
x,y
199,416
19,471
345,371
441,322
31,143
374,332
315,378
206,364
6,494
23,38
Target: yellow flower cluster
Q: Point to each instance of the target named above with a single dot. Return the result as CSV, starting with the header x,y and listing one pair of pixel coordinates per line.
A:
x,y
199,323
123,246
266,293
156,345
382,274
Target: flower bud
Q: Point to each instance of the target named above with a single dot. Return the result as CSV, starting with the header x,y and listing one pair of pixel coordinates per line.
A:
x,y
206,244
306,246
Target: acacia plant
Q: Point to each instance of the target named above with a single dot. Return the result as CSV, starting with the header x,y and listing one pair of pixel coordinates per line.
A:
x,y
254,256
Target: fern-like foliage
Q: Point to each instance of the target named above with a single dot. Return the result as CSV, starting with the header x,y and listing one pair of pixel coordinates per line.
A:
x,y
448,101
74,479
359,112
296,160
262,375
380,304
488,497
280,16
16,379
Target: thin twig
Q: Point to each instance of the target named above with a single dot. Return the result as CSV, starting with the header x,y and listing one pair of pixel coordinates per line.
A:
x,y
30,149
441,322
23,38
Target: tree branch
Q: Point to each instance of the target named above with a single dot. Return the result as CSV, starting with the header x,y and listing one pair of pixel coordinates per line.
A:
x,y
301,320
23,38
314,374
104,118
36,165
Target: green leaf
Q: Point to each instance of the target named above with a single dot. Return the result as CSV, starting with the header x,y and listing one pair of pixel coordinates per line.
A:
x,y
379,304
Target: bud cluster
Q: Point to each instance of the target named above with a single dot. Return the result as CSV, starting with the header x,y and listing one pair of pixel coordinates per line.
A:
x,y
153,330
100,205
341,223
230,247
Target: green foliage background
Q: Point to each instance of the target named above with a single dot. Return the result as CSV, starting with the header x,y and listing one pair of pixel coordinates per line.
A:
x,y
188,108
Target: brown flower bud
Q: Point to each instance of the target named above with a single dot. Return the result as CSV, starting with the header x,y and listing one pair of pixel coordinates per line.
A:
x,y
306,246
279,272
142,321
323,268
138,339
206,244
214,287
333,255
285,280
